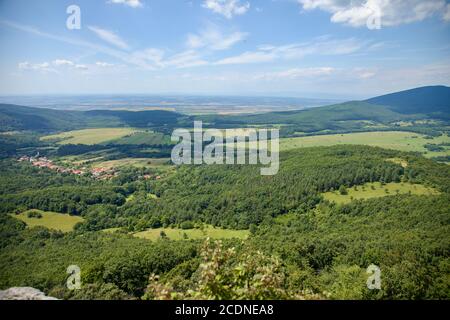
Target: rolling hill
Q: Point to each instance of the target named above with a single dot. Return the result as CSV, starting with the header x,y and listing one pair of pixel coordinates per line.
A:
x,y
13,117
433,99
383,112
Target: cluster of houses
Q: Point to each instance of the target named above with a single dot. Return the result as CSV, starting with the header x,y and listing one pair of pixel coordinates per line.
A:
x,y
43,162
150,176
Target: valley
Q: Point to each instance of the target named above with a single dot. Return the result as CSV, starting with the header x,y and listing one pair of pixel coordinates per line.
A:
x,y
359,183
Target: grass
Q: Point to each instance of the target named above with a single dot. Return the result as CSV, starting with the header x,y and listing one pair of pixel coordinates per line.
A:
x,y
111,230
135,162
178,234
397,140
375,190
147,137
90,136
51,220
149,196
399,161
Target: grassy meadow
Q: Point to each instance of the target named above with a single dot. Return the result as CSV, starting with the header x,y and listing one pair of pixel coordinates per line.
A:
x,y
376,190
90,136
397,140
51,220
207,232
134,162
144,137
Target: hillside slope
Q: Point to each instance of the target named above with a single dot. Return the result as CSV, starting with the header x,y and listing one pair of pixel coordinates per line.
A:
x,y
433,99
13,117
384,112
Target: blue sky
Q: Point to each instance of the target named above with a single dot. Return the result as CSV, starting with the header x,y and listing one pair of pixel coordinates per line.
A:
x,y
309,48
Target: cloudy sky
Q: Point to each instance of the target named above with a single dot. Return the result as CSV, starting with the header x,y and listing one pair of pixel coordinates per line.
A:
x,y
310,48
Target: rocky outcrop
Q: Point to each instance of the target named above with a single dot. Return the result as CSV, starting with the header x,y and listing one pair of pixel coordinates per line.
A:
x,y
23,293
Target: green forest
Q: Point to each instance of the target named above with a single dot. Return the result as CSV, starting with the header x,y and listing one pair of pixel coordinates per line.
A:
x,y
300,245
141,227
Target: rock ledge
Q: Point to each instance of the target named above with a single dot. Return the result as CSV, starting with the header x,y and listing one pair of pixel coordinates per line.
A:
x,y
23,293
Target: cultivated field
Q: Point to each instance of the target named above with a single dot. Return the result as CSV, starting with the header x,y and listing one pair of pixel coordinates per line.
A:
x,y
376,190
51,220
90,136
207,232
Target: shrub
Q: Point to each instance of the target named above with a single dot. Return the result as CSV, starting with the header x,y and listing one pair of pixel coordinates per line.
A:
x,y
34,214
343,190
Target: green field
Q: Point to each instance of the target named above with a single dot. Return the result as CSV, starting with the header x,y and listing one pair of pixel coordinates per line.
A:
x,y
135,162
51,220
376,190
207,232
144,137
90,136
149,196
397,140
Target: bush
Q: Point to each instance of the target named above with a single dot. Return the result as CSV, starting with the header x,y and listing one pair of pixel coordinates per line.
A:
x,y
226,274
186,225
343,190
34,214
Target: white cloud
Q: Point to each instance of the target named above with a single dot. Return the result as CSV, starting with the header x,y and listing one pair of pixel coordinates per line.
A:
x,y
70,64
356,13
227,8
297,73
150,58
46,66
42,67
248,57
321,46
104,64
109,37
153,59
95,47
367,75
213,39
63,62
185,59
81,67
129,3
446,16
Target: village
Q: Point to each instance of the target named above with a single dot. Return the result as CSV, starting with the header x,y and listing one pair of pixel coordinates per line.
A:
x,y
100,173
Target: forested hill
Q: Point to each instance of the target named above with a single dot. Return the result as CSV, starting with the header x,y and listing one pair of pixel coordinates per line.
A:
x,y
384,112
13,117
426,103
420,100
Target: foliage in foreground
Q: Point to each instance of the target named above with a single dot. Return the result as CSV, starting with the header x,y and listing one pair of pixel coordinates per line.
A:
x,y
225,275
307,243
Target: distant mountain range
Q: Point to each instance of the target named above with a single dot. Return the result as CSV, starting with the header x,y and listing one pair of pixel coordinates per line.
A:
x,y
420,103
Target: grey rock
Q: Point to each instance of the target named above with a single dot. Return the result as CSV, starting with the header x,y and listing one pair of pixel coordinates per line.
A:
x,y
23,293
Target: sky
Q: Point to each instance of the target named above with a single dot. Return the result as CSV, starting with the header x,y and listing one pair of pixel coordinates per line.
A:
x,y
304,48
